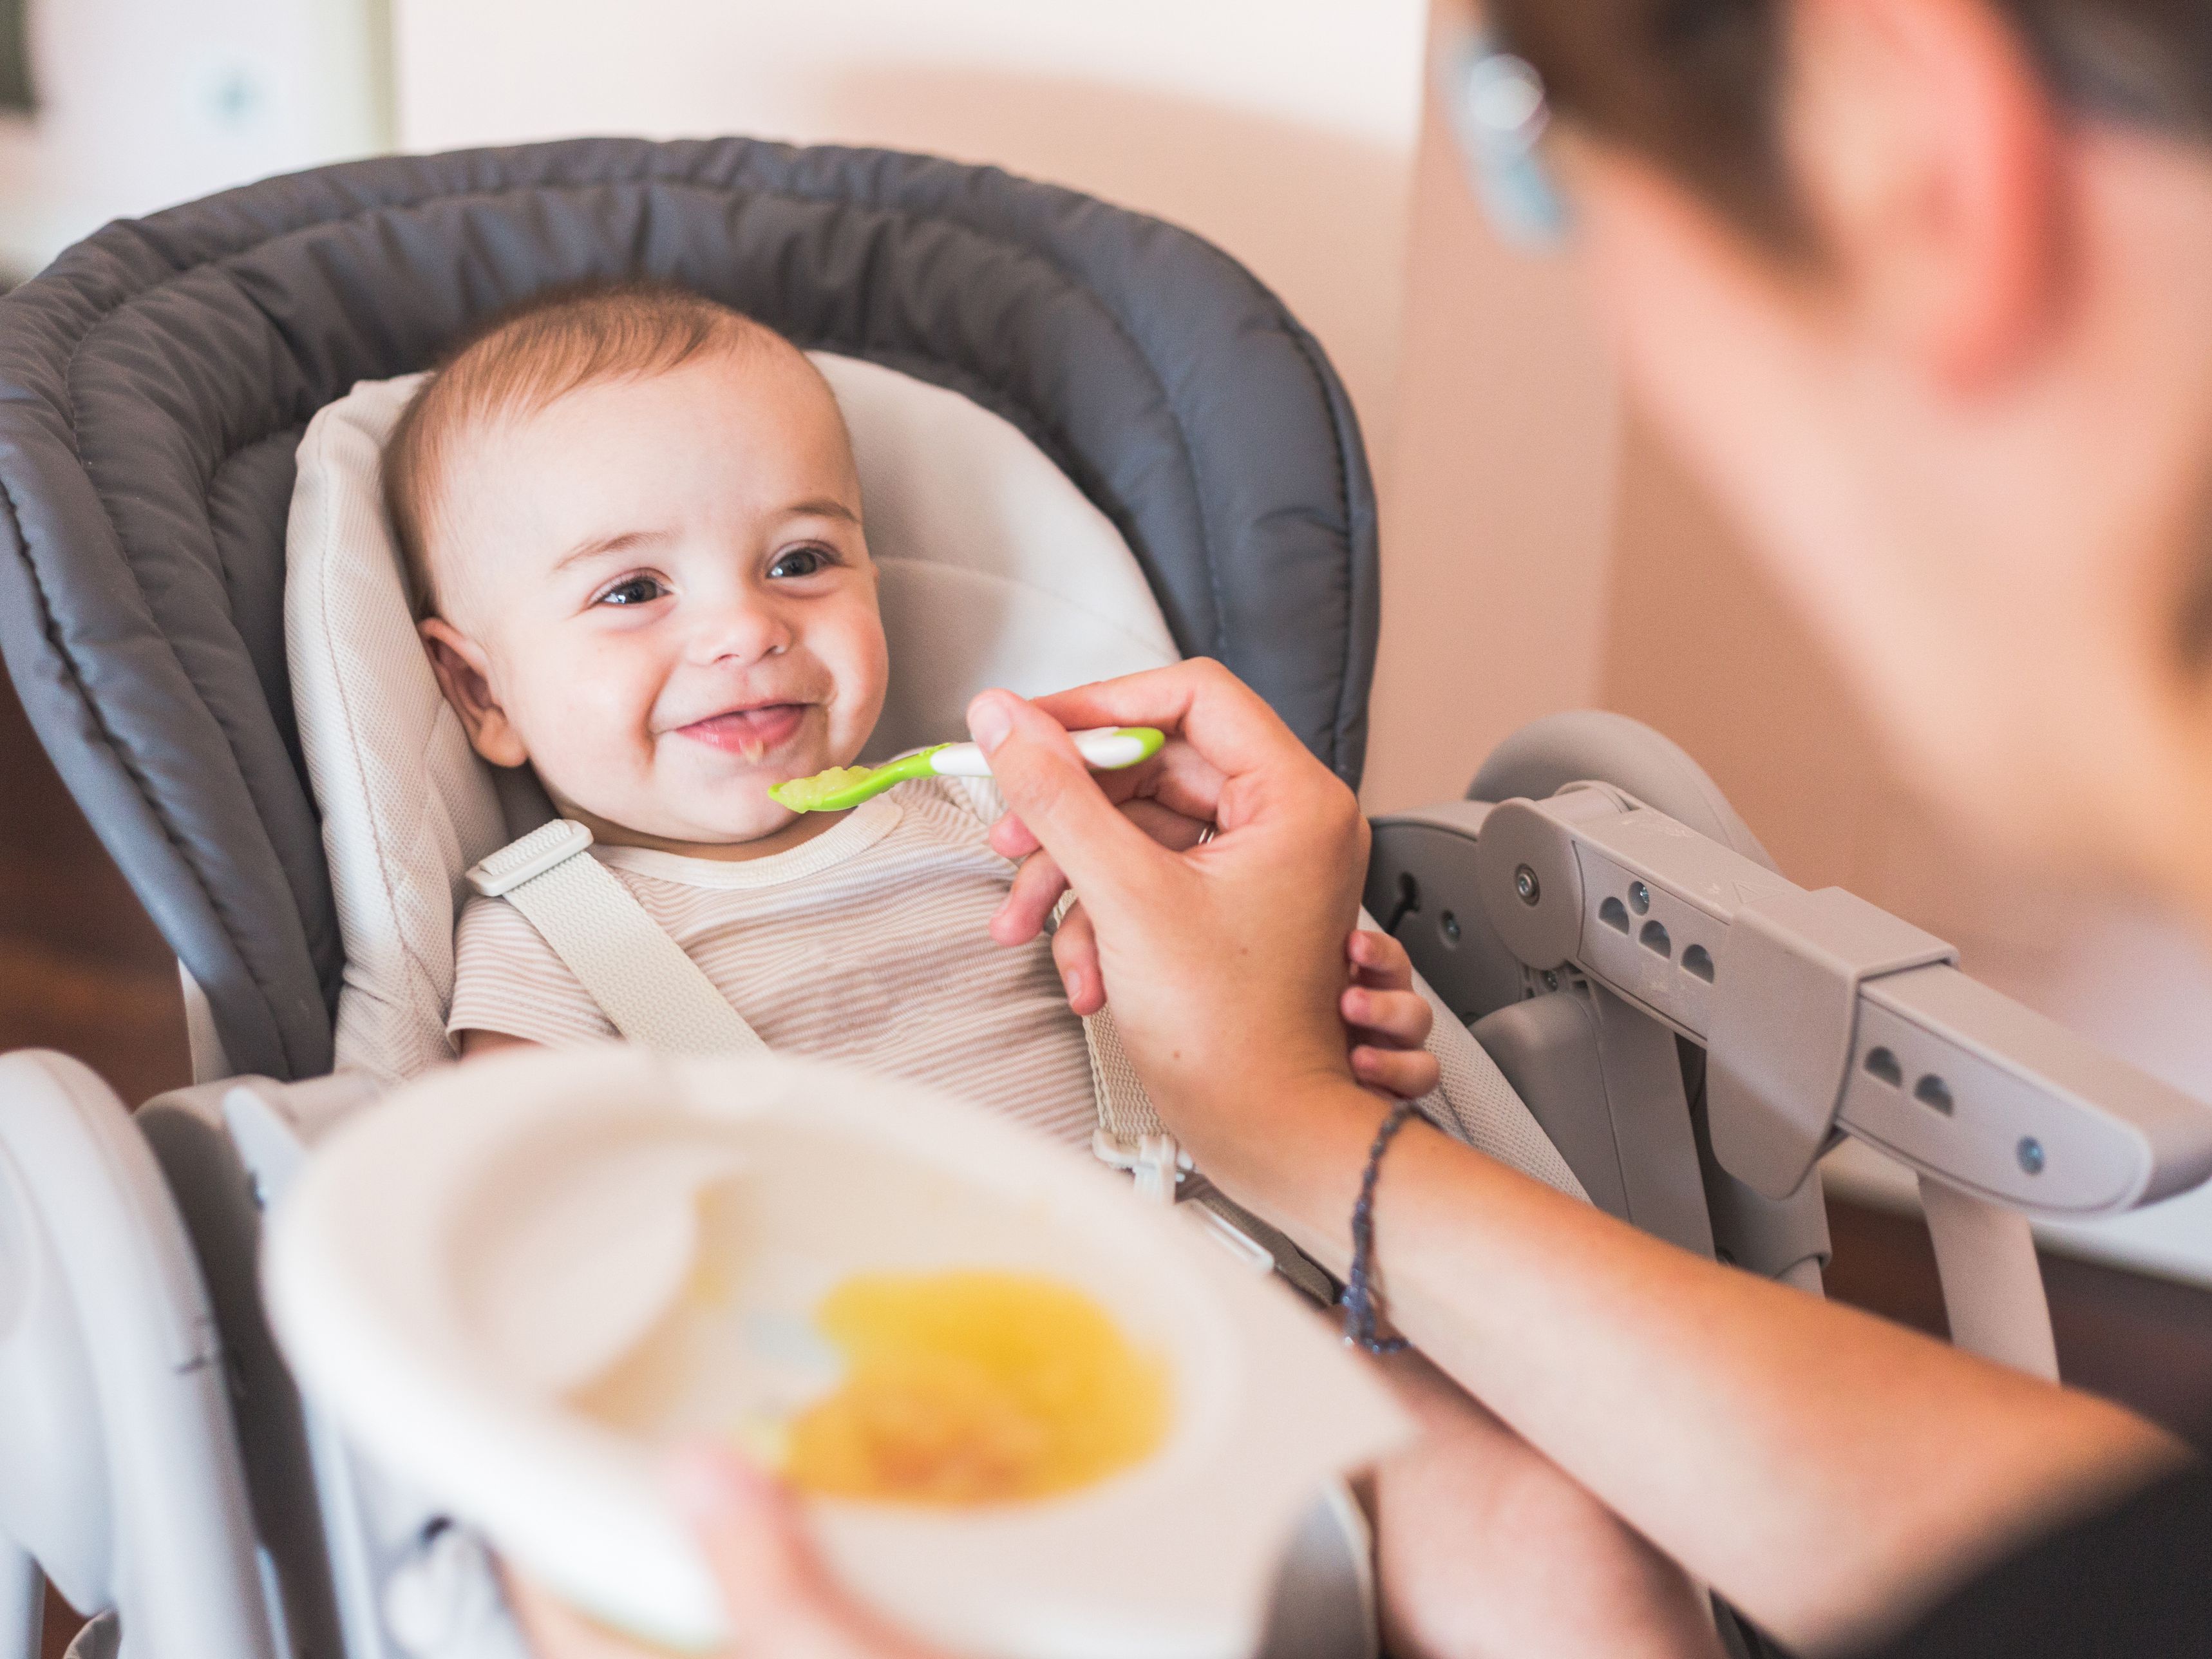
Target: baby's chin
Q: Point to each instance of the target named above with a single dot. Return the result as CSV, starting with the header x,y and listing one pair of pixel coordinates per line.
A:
x,y
732,823
729,815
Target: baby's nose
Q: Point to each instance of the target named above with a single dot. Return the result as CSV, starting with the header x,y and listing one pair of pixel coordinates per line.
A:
x,y
742,631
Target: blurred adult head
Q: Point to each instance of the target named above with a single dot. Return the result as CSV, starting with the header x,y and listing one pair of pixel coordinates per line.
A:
x,y
1922,290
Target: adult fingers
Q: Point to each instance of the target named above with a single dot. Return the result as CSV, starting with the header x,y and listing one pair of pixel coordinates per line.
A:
x,y
1040,883
1075,953
1175,829
1407,1075
1120,785
1199,701
1379,961
782,1602
1174,824
769,1575
1047,787
1403,1018
1215,725
1037,886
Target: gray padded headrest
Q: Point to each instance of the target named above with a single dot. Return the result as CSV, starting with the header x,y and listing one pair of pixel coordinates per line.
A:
x,y
155,383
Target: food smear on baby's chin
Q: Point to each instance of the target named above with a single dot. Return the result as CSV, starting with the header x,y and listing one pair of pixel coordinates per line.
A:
x,y
975,1387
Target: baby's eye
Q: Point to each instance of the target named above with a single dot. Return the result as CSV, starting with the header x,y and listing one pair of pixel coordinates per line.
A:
x,y
632,590
802,561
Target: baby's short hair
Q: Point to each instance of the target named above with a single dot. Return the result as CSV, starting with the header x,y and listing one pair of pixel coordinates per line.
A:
x,y
527,358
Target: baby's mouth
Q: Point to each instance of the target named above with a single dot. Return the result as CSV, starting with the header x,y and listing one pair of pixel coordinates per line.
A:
x,y
751,732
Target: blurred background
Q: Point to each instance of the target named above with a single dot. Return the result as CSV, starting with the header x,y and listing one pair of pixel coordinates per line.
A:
x,y
1541,550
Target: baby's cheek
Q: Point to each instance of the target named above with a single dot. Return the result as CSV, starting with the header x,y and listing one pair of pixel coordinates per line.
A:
x,y
587,737
862,667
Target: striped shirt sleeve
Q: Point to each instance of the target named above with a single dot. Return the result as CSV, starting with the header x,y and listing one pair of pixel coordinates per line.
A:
x,y
506,979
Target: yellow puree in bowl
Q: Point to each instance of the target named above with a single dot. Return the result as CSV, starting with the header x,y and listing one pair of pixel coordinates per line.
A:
x,y
973,1388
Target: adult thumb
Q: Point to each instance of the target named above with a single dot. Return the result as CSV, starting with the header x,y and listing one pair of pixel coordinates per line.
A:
x,y
1047,787
781,1600
762,1559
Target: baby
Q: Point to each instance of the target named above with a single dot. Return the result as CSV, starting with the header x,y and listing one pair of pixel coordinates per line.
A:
x,y
633,526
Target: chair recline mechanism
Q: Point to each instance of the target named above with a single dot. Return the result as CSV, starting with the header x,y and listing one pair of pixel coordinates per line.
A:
x,y
1574,930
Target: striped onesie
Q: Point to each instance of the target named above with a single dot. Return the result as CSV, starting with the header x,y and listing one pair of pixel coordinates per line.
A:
x,y
869,944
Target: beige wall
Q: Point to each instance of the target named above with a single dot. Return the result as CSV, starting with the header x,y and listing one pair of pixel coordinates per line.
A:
x,y
1498,498
1282,129
142,103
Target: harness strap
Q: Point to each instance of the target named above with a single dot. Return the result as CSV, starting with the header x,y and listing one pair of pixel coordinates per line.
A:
x,y
1130,1135
1269,1249
652,992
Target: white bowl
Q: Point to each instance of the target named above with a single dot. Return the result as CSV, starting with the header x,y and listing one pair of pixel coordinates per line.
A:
x,y
457,1260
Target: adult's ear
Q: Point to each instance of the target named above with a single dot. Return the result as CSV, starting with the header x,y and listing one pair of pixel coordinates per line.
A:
x,y
464,674
1930,156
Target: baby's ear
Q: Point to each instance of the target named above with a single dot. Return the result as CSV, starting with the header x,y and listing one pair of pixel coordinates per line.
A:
x,y
465,676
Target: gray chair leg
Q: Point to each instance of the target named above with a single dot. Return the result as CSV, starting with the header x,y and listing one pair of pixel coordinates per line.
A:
x,y
120,1464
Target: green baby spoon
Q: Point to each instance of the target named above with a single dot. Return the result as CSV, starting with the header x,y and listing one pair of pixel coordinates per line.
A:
x,y
1109,749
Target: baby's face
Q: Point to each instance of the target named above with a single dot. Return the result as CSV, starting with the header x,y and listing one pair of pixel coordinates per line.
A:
x,y
669,596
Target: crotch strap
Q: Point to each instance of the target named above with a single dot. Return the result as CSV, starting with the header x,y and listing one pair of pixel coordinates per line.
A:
x,y
653,994
1130,1134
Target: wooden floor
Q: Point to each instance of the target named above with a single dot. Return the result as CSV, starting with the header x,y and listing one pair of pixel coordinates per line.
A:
x,y
2145,1342
82,970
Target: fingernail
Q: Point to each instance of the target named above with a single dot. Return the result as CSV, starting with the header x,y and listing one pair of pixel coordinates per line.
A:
x,y
989,720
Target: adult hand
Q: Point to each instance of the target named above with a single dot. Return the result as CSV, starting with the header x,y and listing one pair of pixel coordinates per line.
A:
x,y
1224,961
782,1603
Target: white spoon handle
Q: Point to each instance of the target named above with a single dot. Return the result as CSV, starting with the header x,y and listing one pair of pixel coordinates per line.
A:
x,y
1109,749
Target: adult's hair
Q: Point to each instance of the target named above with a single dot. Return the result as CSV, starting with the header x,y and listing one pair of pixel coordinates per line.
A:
x,y
1697,85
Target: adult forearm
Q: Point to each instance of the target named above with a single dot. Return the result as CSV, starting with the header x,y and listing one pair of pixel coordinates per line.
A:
x,y
1818,1467
1825,1470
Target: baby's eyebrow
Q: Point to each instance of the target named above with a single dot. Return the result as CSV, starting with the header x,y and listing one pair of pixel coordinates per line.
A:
x,y
599,547
822,507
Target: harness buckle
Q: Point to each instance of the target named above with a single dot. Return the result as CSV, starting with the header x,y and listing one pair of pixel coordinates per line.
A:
x,y
542,849
1157,1161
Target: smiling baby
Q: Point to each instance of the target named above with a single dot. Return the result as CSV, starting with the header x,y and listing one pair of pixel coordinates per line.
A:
x,y
633,526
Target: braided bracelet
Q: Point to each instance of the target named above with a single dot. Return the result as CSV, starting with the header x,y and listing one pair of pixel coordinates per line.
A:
x,y
1359,1298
